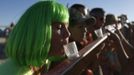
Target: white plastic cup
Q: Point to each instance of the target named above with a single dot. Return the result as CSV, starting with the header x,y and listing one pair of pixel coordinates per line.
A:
x,y
99,33
71,50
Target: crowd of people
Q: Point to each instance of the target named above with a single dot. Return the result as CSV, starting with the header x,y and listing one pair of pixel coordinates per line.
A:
x,y
35,45
4,35
5,32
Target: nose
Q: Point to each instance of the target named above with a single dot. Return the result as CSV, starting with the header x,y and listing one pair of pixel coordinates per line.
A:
x,y
65,32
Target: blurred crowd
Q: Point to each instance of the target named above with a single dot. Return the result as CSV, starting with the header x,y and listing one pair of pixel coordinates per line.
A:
x,y
4,33
88,25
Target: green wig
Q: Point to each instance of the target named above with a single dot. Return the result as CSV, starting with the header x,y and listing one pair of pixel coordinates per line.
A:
x,y
29,42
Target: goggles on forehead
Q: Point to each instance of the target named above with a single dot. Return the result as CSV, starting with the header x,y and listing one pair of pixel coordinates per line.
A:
x,y
81,16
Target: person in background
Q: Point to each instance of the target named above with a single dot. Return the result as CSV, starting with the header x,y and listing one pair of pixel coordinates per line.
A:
x,y
79,18
96,31
99,15
110,22
37,39
1,33
125,27
132,33
8,30
109,56
4,34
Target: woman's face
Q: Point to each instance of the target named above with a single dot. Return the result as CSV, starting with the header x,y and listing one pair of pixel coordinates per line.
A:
x,y
60,36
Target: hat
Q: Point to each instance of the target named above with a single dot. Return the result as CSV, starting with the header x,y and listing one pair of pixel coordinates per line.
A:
x,y
79,14
110,19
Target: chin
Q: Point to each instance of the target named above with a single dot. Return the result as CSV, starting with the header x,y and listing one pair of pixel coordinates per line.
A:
x,y
57,51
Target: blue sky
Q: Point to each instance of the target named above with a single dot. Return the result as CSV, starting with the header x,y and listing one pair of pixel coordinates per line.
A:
x,y
11,10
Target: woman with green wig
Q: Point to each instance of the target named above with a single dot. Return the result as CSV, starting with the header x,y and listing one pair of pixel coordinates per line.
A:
x,y
37,39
